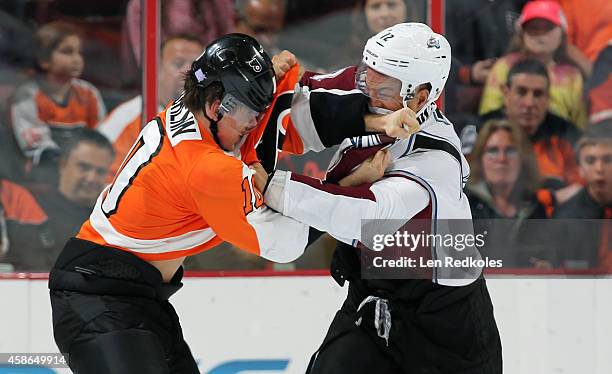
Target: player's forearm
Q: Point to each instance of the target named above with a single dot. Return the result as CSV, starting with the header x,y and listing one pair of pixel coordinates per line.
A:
x,y
324,118
330,208
374,123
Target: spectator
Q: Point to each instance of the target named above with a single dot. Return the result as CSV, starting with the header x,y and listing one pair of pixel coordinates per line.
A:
x,y
593,202
589,26
208,19
479,32
372,16
83,168
46,110
25,238
263,20
541,35
124,123
599,87
504,183
526,98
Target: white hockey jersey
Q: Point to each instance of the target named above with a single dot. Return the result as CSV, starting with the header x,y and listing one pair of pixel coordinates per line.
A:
x,y
425,179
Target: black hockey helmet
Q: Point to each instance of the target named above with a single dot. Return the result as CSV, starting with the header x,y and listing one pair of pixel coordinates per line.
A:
x,y
242,66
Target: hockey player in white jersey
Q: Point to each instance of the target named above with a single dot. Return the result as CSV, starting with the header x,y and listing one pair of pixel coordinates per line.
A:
x,y
444,324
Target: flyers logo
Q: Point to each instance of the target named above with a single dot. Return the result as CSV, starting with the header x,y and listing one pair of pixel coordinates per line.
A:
x,y
255,65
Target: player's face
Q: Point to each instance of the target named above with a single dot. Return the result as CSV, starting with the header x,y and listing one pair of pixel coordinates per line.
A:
x,y
237,123
500,160
176,58
526,100
83,173
381,14
383,91
596,169
66,61
542,37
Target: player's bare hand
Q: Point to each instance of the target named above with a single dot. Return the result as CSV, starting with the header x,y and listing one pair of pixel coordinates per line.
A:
x,y
282,62
260,177
369,171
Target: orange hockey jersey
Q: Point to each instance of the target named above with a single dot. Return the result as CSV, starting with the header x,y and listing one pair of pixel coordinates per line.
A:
x,y
178,193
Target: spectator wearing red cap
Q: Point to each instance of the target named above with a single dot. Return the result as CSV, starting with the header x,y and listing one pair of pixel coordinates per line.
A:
x,y
541,34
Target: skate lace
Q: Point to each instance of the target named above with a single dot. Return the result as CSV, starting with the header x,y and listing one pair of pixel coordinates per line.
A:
x,y
382,316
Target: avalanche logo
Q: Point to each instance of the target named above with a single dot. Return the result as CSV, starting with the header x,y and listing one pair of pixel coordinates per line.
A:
x,y
255,65
433,43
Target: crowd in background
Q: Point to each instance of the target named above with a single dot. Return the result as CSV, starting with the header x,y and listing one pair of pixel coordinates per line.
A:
x,y
530,95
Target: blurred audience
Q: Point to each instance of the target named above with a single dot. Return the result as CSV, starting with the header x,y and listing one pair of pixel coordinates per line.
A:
x,y
541,35
208,19
123,124
263,20
371,17
526,99
589,25
599,87
46,110
25,238
589,243
504,183
479,32
83,167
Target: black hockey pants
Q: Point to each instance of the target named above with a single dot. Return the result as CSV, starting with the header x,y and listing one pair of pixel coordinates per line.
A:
x,y
111,313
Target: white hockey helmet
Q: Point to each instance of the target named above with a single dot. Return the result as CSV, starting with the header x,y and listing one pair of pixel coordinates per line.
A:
x,y
411,53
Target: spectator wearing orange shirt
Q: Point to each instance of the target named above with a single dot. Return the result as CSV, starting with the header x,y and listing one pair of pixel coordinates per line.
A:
x,y
46,111
589,25
24,233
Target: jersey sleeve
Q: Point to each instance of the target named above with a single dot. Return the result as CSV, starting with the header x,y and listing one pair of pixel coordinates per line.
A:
x,y
33,136
316,113
340,210
97,109
226,197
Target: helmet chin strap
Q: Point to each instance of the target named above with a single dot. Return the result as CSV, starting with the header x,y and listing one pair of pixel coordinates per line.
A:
x,y
214,129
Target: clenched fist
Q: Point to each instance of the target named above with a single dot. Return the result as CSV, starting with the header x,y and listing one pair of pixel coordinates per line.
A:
x,y
399,124
260,177
282,62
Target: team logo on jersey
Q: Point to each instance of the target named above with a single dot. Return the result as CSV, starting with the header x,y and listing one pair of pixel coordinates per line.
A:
x,y
181,124
433,43
255,65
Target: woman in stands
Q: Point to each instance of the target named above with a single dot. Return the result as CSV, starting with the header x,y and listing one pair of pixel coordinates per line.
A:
x,y
505,184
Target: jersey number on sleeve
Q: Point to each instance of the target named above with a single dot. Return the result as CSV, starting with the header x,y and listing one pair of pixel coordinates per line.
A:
x,y
142,152
250,203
